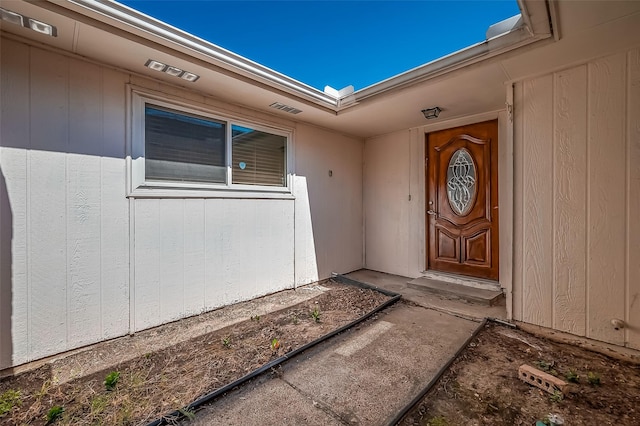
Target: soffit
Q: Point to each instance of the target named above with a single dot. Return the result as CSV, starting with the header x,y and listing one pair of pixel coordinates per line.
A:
x,y
473,90
476,88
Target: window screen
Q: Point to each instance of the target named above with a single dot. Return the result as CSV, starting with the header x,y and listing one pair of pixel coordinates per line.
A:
x,y
183,147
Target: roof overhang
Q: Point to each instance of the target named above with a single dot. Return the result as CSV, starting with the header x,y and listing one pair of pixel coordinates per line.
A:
x,y
87,26
138,27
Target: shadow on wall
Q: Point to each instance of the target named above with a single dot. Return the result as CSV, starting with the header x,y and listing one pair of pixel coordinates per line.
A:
x,y
6,299
305,245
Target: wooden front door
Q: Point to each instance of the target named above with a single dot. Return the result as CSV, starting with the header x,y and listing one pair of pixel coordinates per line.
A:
x,y
462,200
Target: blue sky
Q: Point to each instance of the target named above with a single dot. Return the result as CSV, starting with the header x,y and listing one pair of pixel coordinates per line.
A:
x,y
335,43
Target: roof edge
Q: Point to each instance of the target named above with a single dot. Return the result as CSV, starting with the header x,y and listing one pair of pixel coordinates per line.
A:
x,y
134,22
515,37
131,20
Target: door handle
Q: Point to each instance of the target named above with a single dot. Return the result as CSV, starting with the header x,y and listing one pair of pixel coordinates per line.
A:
x,y
431,212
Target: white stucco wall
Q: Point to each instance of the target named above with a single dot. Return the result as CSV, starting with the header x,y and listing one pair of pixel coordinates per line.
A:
x,y
80,262
577,192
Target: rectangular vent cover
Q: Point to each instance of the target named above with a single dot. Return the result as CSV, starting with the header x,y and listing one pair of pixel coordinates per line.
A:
x,y
285,108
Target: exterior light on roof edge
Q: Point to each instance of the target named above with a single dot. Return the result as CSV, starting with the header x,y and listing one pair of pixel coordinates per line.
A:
x,y
431,113
189,76
14,18
26,22
42,28
174,71
155,65
171,70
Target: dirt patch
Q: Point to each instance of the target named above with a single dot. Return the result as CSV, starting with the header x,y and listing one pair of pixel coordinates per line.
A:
x,y
482,385
149,386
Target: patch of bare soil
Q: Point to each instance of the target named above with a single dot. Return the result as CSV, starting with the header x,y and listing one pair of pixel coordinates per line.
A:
x,y
157,383
482,385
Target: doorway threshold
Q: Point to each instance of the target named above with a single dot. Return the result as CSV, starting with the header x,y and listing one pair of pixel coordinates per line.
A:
x,y
480,283
458,291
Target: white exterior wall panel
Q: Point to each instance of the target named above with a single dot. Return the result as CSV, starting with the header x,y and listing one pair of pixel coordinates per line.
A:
x,y
81,263
537,212
329,209
64,176
387,206
194,255
570,195
577,176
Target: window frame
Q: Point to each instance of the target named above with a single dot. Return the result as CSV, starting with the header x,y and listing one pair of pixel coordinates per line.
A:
x,y
139,186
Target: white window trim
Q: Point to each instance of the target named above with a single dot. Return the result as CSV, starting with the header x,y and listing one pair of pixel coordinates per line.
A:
x,y
139,187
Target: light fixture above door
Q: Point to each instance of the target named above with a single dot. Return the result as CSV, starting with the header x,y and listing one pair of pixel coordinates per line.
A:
x,y
431,113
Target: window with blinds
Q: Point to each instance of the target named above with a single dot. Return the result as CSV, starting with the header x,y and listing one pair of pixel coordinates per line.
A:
x,y
183,147
258,158
180,147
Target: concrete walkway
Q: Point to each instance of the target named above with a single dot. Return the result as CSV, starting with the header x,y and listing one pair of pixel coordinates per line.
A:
x,y
364,376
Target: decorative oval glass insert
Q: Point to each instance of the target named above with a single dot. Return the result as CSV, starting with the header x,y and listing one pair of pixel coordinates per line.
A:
x,y
461,182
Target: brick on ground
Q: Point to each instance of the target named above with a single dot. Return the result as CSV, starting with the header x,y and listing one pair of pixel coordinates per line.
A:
x,y
542,380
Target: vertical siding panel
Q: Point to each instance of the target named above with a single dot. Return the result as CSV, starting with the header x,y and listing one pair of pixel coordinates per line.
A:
x,y
267,223
47,253
14,291
83,249
570,156
115,209
49,101
14,102
276,271
171,240
538,201
47,227
113,110
194,257
216,249
518,203
239,225
633,201
147,267
606,200
114,229
85,103
283,269
14,139
386,204
83,204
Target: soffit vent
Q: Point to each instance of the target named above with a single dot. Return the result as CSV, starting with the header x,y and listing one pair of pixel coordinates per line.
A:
x,y
285,108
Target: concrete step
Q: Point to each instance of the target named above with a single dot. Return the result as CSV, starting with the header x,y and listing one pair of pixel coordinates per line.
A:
x,y
458,291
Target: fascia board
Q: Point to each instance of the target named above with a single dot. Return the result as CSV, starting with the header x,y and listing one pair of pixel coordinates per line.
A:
x,y
134,22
